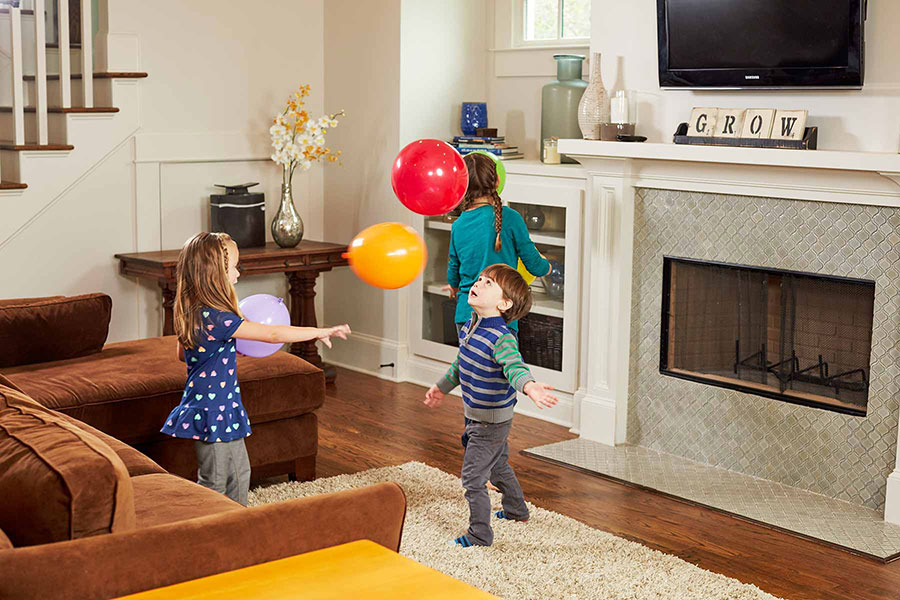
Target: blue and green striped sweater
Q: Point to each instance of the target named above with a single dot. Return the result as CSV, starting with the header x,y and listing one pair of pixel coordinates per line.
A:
x,y
489,369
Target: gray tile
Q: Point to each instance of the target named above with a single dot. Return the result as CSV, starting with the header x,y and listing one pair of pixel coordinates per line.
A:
x,y
840,456
852,526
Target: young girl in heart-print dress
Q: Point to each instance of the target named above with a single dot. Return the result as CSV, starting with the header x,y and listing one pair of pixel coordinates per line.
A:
x,y
207,321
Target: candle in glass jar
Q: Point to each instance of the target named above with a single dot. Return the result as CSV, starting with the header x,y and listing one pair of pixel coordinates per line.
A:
x,y
551,152
618,109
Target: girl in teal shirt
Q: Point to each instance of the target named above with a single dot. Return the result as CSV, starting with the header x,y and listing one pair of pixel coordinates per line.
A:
x,y
485,234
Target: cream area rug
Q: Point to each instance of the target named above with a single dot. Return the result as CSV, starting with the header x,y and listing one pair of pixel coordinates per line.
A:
x,y
551,556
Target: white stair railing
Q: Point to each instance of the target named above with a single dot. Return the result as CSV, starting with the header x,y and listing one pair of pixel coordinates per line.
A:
x,y
87,54
15,36
65,69
40,74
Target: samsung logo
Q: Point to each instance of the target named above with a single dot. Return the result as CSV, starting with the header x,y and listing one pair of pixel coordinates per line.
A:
x,y
751,76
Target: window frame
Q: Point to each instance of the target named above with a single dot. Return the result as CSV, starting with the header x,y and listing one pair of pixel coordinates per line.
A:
x,y
518,33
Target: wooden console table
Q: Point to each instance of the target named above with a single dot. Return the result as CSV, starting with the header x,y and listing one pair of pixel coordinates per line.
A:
x,y
301,265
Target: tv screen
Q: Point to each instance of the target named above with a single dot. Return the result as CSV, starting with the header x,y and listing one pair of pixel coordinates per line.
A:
x,y
761,43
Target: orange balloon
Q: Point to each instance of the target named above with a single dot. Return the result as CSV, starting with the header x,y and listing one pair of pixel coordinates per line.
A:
x,y
387,255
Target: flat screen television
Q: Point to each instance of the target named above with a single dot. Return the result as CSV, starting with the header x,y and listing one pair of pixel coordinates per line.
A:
x,y
739,44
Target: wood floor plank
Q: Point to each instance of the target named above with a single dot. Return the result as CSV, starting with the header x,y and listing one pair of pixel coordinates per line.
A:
x,y
367,422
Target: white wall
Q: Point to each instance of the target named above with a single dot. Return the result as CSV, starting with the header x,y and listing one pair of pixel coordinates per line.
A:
x,y
625,34
866,120
362,76
420,60
218,72
515,79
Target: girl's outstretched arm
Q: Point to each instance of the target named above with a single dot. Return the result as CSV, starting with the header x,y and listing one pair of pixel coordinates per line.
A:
x,y
531,257
287,334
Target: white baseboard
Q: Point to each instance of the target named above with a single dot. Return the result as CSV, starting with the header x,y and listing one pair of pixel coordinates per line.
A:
x,y
424,371
365,353
892,498
372,351
598,418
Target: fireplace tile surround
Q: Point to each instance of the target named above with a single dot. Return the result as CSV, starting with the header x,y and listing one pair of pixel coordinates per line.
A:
x,y
841,456
780,209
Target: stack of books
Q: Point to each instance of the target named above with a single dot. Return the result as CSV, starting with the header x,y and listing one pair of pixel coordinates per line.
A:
x,y
495,145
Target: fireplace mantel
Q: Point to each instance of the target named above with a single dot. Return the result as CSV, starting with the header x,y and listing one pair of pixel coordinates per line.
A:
x,y
615,169
823,175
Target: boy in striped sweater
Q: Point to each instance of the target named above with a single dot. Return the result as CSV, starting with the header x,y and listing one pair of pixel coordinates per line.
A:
x,y
490,371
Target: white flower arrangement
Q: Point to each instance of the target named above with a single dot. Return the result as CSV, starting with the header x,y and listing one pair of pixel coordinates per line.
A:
x,y
298,140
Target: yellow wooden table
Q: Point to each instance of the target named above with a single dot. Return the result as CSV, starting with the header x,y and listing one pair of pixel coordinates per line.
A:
x,y
360,569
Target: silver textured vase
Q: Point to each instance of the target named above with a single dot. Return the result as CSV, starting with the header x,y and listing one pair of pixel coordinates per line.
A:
x,y
593,109
287,226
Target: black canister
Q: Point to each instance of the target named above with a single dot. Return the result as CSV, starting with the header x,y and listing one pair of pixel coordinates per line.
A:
x,y
240,214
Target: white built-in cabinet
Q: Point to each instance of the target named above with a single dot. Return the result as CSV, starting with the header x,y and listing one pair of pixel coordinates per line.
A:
x,y
550,335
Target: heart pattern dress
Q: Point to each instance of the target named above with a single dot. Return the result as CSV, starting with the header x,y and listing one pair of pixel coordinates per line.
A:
x,y
211,408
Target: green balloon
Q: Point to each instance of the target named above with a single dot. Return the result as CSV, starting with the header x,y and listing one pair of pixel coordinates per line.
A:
x,y
501,169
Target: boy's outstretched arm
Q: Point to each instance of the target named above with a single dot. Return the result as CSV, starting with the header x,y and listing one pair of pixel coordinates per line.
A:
x,y
506,353
450,380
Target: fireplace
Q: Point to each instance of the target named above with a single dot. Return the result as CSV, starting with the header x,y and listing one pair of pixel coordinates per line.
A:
x,y
799,337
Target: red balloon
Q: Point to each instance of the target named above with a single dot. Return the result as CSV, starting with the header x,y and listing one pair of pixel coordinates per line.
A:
x,y
429,177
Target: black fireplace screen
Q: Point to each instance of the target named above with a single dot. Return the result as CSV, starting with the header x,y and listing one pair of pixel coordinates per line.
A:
x,y
799,337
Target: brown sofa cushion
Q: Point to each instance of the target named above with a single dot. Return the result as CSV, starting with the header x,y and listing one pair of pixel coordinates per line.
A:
x,y
57,482
5,544
53,329
161,498
130,388
135,461
26,301
10,384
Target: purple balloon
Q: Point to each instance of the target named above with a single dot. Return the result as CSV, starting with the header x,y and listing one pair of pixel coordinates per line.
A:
x,y
265,309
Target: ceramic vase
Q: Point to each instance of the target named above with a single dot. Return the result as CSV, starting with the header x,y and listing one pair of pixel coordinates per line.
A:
x,y
559,100
287,226
593,109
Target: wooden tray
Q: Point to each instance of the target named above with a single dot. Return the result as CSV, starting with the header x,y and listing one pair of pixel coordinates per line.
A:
x,y
809,141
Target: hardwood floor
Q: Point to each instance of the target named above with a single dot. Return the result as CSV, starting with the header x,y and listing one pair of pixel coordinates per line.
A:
x,y
367,422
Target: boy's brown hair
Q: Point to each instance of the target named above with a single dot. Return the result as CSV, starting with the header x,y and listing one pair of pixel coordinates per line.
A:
x,y
514,289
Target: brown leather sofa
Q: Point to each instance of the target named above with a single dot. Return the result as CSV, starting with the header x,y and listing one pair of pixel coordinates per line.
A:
x,y
83,515
53,349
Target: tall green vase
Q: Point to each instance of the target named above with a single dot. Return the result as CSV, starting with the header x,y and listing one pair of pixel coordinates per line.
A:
x,y
559,101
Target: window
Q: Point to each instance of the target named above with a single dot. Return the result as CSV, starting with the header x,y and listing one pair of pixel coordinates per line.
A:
x,y
545,21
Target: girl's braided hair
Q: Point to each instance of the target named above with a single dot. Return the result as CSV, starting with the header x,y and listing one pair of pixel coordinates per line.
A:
x,y
483,184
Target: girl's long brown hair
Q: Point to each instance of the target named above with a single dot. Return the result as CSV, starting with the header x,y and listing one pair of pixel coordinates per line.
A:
x,y
202,276
483,184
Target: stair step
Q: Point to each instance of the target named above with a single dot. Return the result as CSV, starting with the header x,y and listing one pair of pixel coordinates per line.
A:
x,y
35,147
122,75
12,185
73,110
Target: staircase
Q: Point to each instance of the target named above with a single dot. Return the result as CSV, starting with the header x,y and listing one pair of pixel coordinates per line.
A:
x,y
58,118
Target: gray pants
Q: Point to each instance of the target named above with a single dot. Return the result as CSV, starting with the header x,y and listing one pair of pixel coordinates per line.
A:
x,y
225,468
486,458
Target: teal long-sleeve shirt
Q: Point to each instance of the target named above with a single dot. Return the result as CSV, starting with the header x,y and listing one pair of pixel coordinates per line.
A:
x,y
472,249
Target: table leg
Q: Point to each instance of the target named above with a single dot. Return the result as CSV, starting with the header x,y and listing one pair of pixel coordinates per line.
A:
x,y
168,294
303,314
